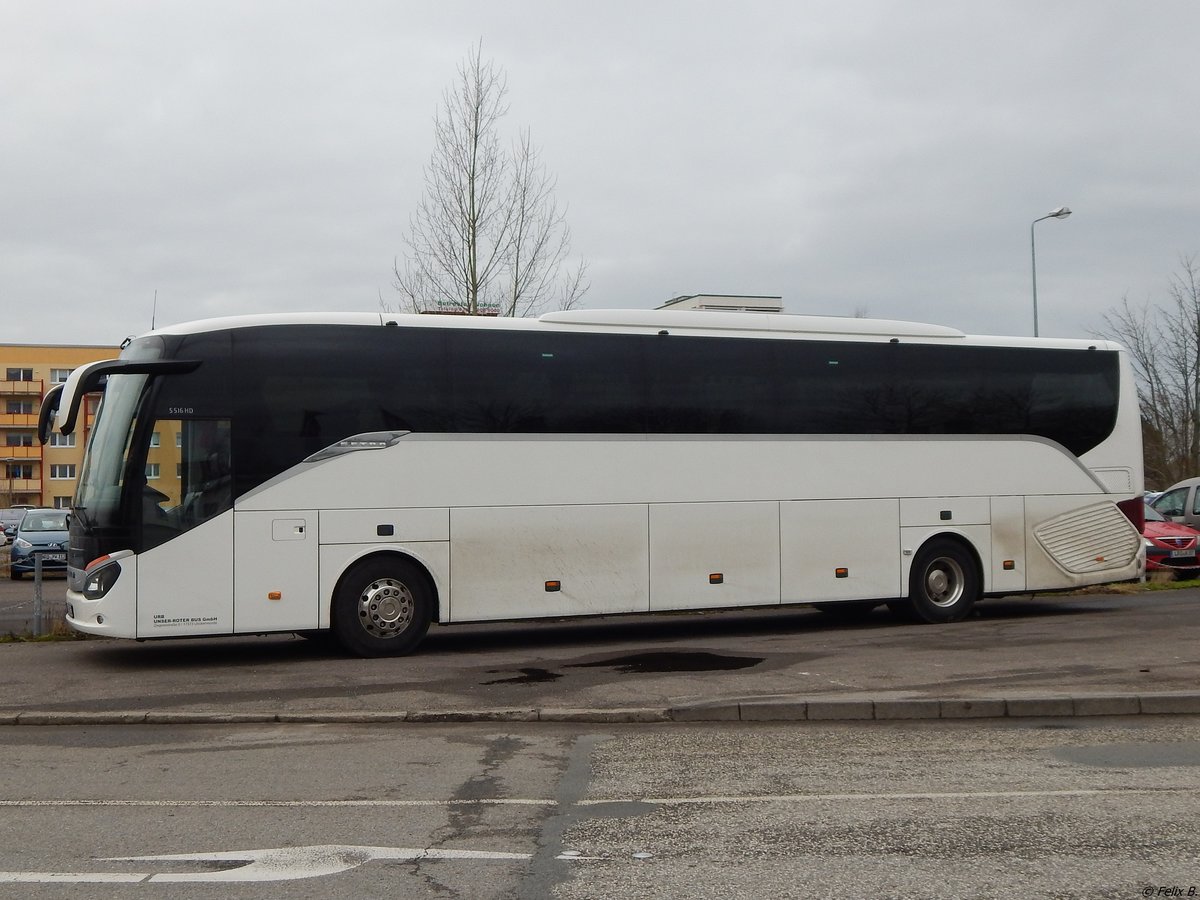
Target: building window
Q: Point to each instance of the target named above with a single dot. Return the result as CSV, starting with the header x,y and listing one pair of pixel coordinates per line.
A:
x,y
18,439
17,471
62,440
62,470
154,441
19,407
179,470
62,502
179,439
58,376
19,375
152,471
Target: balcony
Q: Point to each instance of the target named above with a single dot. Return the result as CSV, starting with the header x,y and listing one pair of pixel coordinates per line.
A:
x,y
21,388
18,420
13,454
20,485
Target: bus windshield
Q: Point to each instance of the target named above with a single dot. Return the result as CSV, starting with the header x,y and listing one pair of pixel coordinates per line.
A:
x,y
98,496
152,472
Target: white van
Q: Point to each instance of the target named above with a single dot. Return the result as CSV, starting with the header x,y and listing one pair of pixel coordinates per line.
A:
x,y
1181,502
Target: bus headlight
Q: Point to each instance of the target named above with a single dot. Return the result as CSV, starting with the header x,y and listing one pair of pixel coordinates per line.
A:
x,y
99,581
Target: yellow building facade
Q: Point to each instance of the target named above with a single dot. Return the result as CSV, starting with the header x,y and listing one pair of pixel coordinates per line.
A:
x,y
34,474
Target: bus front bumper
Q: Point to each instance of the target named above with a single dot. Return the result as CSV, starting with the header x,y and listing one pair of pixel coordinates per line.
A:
x,y
103,599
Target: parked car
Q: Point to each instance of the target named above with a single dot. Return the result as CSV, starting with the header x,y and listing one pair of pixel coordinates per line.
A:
x,y
10,518
43,531
1169,545
1180,502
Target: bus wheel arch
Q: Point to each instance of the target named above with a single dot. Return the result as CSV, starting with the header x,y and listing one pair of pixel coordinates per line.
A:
x,y
383,605
945,581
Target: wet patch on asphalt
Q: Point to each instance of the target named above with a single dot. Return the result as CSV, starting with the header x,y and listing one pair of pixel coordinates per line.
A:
x,y
659,662
672,661
527,676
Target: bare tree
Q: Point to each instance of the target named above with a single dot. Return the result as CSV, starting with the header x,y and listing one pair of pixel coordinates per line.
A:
x,y
488,237
1164,345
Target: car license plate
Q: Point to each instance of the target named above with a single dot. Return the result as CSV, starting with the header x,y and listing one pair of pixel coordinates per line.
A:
x,y
62,557
1175,554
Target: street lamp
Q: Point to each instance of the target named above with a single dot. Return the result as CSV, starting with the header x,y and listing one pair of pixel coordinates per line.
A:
x,y
1061,213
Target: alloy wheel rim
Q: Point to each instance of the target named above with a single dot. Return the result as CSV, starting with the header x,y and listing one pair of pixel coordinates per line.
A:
x,y
386,608
944,582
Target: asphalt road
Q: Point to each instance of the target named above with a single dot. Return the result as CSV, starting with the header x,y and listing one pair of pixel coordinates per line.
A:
x,y
1082,808
1037,806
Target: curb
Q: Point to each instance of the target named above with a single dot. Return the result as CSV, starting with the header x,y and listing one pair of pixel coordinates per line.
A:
x,y
780,710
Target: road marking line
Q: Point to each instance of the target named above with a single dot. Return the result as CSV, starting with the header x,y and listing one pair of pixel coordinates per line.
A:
x,y
72,877
272,864
877,798
660,801
234,804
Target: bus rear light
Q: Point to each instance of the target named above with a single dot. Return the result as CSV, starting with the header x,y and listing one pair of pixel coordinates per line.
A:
x,y
1135,511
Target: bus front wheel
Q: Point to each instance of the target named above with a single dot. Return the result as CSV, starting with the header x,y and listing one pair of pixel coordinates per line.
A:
x,y
382,607
943,583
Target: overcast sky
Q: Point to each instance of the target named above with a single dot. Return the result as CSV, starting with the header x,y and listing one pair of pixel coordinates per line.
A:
x,y
886,157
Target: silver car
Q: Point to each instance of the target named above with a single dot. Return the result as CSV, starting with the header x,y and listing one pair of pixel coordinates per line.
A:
x,y
42,533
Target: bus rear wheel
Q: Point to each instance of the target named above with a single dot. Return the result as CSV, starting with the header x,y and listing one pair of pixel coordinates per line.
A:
x,y
382,607
943,583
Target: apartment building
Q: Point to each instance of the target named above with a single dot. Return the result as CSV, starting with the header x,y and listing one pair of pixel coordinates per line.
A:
x,y
32,473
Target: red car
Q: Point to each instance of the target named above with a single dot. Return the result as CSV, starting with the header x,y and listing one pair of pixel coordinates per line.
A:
x,y
1170,545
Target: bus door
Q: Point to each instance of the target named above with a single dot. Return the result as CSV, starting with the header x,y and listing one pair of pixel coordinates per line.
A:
x,y
186,526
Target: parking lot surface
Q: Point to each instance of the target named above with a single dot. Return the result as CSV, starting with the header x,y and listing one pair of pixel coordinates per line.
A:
x,y
1102,654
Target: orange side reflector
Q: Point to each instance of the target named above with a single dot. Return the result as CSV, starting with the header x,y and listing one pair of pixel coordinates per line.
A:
x,y
841,573
716,578
275,595
1009,565
552,586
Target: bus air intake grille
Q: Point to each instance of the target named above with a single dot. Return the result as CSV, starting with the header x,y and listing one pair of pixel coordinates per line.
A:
x,y
1090,540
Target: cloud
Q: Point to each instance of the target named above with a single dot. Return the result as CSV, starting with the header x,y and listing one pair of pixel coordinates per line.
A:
x,y
889,156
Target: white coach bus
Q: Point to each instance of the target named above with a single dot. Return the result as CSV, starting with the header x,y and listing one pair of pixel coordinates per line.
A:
x,y
372,474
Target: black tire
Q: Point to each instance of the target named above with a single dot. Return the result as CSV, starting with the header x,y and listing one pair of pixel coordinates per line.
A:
x,y
382,607
943,583
14,575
